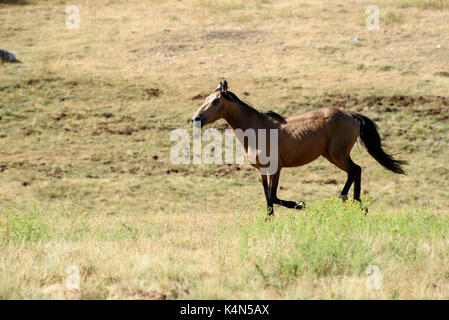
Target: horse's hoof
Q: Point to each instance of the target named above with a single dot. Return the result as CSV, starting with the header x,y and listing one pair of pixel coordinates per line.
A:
x,y
300,205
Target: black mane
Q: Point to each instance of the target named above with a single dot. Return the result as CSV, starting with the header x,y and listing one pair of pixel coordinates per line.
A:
x,y
275,115
231,96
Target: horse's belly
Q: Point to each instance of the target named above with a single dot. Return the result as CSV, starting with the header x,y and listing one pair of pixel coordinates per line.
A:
x,y
298,153
296,160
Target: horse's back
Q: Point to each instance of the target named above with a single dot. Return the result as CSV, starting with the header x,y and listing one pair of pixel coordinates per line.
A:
x,y
309,135
326,119
320,115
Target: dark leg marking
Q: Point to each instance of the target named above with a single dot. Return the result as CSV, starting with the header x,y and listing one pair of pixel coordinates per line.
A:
x,y
354,176
357,182
270,209
288,204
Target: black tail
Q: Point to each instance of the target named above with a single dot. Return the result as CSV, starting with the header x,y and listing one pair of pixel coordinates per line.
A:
x,y
371,141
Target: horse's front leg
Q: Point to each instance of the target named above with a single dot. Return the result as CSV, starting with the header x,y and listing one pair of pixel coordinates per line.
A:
x,y
270,209
273,182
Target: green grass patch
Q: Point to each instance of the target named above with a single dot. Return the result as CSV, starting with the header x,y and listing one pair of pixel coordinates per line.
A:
x,y
391,18
22,226
332,238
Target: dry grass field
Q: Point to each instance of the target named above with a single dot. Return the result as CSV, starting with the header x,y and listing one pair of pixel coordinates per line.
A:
x,y
85,171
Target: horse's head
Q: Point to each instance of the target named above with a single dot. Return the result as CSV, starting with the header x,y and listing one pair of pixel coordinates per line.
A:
x,y
213,107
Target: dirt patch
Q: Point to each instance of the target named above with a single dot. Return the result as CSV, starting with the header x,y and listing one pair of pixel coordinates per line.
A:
x,y
440,113
57,173
170,50
65,116
320,182
341,100
13,164
435,105
330,181
127,131
34,82
200,96
106,115
222,171
64,98
31,83
182,172
116,170
152,92
442,74
326,49
60,116
72,83
231,34
29,131
134,170
226,171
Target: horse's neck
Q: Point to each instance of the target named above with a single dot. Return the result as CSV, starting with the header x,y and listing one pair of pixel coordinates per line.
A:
x,y
242,117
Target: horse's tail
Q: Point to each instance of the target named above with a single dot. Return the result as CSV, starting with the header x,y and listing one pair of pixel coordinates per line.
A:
x,y
371,141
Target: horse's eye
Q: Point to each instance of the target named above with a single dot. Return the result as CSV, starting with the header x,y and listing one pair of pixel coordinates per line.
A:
x,y
215,101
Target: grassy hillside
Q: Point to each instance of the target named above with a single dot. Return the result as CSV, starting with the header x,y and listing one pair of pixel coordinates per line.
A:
x,y
85,171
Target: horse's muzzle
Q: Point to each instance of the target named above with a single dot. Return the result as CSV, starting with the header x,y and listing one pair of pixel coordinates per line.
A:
x,y
197,120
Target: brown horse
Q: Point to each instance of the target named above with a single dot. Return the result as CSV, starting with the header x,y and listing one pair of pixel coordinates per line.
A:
x,y
328,132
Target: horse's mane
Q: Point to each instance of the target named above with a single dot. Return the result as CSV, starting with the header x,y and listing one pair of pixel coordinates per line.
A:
x,y
275,115
230,95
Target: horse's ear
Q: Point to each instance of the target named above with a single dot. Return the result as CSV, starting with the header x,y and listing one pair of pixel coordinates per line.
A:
x,y
220,87
225,86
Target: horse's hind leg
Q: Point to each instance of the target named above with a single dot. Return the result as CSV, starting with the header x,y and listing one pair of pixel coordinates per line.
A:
x,y
345,163
354,176
357,181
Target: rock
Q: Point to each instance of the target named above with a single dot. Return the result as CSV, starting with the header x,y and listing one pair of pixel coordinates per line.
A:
x,y
8,56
